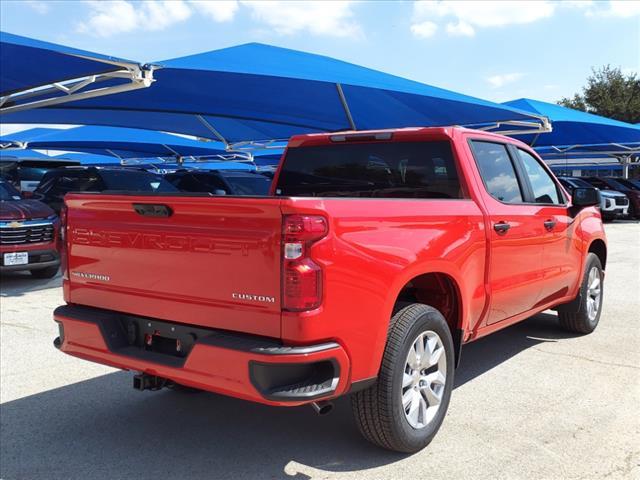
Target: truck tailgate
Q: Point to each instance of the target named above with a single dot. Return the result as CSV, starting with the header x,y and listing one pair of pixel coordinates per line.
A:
x,y
207,261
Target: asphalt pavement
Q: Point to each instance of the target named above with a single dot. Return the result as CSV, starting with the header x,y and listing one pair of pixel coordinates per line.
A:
x,y
530,401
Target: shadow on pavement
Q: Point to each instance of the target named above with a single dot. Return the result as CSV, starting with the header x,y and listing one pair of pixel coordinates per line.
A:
x,y
102,428
624,220
484,354
16,284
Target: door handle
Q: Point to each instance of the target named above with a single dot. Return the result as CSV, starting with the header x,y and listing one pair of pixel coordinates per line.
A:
x,y
549,224
501,227
152,210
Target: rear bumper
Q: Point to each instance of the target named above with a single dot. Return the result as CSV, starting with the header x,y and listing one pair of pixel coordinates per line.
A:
x,y
38,259
243,366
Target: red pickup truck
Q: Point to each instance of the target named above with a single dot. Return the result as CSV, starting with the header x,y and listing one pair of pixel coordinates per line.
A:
x,y
375,258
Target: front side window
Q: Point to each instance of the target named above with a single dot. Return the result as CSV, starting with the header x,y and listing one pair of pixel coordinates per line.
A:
x,y
497,171
543,186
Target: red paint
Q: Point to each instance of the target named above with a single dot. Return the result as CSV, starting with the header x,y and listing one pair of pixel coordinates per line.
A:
x,y
16,215
190,267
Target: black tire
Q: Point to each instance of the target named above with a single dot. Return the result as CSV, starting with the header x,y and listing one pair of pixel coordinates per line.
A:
x,y
48,272
378,410
579,322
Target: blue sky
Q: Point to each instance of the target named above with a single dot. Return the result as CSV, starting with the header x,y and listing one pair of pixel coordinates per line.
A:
x,y
493,50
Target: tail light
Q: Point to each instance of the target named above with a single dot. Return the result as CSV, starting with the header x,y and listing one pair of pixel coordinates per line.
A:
x,y
62,242
301,276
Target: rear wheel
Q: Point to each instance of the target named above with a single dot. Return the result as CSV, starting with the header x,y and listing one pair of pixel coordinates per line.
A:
x,y
591,295
404,409
48,272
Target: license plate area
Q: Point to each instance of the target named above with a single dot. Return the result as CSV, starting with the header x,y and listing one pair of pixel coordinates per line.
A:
x,y
166,345
16,258
160,337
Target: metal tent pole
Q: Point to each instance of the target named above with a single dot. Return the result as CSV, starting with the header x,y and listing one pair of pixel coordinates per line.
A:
x,y
345,105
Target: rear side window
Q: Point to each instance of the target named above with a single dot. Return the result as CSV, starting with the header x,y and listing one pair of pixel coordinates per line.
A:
x,y
497,171
543,186
381,170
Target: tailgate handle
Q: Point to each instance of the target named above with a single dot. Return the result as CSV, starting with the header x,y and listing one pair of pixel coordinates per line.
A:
x,y
152,210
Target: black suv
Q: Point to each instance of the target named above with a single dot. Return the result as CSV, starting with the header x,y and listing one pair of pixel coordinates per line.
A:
x,y
57,183
221,182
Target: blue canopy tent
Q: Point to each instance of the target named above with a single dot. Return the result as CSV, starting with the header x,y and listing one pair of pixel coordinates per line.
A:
x,y
88,158
36,74
22,153
579,132
122,143
575,128
632,148
253,94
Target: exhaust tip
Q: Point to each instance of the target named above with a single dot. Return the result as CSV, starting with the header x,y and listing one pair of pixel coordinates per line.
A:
x,y
322,408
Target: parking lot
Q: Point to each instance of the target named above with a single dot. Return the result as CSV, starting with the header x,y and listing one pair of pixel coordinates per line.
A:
x,y
530,402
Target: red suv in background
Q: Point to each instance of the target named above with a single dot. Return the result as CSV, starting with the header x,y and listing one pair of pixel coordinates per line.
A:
x,y
28,234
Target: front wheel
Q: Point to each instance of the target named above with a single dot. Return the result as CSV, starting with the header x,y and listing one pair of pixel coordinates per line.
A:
x,y
404,409
591,295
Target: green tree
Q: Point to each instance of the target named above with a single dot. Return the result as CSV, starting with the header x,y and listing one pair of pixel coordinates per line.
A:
x,y
609,93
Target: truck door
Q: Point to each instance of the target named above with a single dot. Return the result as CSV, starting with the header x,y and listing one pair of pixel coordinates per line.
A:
x,y
515,273
561,253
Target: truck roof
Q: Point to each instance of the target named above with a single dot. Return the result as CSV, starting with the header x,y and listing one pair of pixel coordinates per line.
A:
x,y
399,134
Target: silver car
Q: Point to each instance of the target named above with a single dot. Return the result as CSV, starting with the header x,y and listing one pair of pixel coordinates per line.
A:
x,y
612,205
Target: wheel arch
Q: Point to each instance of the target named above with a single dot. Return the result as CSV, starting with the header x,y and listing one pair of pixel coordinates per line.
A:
x,y
599,248
441,290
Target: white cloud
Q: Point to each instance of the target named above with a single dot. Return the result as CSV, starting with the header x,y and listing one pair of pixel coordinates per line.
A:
x,y
111,17
498,81
424,29
460,29
319,18
38,6
219,11
614,8
465,16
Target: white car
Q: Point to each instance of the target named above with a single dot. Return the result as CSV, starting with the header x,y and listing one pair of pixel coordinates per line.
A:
x,y
612,204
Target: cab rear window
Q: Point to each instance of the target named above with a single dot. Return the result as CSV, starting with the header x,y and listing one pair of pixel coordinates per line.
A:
x,y
382,170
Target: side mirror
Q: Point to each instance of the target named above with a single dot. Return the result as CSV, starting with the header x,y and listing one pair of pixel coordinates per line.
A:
x,y
585,197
